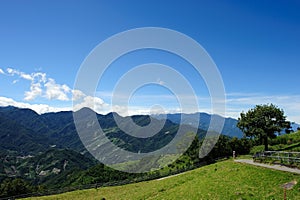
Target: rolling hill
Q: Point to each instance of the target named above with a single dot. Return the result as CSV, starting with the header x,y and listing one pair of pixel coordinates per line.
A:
x,y
222,180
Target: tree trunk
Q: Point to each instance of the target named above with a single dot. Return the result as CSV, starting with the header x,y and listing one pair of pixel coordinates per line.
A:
x,y
266,142
260,139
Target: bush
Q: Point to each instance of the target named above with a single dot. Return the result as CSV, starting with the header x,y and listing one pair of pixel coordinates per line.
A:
x,y
260,148
13,187
257,149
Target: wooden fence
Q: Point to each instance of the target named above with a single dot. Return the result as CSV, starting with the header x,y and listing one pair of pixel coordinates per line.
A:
x,y
282,156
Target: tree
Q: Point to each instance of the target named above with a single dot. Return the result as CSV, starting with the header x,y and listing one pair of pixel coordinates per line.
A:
x,y
263,122
15,187
240,146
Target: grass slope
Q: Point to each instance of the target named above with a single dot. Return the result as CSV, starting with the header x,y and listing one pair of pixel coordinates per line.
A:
x,y
286,142
223,180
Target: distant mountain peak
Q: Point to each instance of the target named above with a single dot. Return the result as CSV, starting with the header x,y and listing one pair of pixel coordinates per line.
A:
x,y
13,108
111,114
85,110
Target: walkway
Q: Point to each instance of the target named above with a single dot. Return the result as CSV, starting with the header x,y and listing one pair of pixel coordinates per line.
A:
x,y
276,167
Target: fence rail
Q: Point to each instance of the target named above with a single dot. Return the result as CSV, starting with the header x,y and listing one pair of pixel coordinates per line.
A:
x,y
283,156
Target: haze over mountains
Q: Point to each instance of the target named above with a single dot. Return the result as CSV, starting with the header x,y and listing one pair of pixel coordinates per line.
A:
x,y
26,132
229,127
46,148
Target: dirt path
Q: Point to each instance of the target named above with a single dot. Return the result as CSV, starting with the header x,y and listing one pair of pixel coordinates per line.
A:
x,y
250,161
171,176
276,167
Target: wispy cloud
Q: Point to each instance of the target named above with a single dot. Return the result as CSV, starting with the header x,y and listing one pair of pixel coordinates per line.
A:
x,y
123,97
35,91
235,104
238,102
47,88
41,86
39,108
77,95
95,103
56,91
160,82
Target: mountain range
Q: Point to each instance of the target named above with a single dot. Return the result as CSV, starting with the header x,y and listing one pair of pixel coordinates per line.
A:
x,y
202,121
46,148
24,131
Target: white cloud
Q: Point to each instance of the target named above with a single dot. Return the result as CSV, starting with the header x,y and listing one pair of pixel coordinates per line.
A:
x,y
11,71
160,82
235,104
56,91
77,95
44,87
35,91
39,76
95,103
41,86
35,77
243,102
26,76
39,108
23,75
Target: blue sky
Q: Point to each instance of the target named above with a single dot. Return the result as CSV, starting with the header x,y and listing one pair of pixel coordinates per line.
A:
x,y
255,44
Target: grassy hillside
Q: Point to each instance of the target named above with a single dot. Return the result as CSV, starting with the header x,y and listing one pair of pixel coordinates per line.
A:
x,y
286,142
223,180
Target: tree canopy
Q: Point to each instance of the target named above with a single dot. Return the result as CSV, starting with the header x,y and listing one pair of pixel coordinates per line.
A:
x,y
263,122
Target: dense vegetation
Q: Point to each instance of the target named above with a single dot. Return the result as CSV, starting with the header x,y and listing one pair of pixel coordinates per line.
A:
x,y
286,142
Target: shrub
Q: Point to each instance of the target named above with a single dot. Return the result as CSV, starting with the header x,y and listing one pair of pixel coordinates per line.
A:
x,y
260,148
257,149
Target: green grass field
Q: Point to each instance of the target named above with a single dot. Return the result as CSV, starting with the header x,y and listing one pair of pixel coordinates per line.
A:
x,y
223,180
